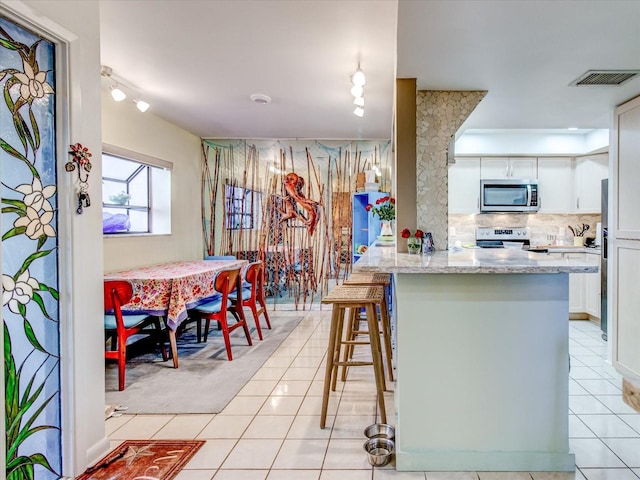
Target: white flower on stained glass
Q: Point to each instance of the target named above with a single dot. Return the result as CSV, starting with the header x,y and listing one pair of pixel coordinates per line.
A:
x,y
37,224
35,196
33,84
18,291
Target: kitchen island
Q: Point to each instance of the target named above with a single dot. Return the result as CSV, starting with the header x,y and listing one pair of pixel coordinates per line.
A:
x,y
482,358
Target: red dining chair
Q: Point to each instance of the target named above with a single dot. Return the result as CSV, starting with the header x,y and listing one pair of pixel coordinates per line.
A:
x,y
121,326
253,293
225,282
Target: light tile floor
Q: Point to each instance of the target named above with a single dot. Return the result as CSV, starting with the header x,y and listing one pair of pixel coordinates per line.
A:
x,y
270,430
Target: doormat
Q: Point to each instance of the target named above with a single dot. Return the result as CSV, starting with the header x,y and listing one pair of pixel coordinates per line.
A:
x,y
156,459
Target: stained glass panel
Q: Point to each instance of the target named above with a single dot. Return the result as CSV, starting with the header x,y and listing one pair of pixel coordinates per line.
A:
x,y
29,254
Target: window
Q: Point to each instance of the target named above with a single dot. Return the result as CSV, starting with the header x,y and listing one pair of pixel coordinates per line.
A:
x,y
243,206
136,193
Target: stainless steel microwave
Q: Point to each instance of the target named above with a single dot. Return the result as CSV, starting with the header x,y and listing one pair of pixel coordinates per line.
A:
x,y
510,195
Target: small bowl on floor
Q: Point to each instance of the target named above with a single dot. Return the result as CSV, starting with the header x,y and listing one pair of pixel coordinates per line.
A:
x,y
379,451
380,430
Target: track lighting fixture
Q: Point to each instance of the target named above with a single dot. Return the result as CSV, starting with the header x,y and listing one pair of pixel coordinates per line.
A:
x,y
117,89
117,94
358,80
357,91
141,105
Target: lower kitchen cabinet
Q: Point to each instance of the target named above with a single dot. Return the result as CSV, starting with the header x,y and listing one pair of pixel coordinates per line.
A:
x,y
592,287
577,282
584,288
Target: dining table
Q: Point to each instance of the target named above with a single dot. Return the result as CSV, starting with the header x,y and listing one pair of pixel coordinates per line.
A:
x,y
169,290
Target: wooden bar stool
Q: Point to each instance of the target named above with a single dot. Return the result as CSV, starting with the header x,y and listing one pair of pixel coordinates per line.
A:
x,y
372,279
354,298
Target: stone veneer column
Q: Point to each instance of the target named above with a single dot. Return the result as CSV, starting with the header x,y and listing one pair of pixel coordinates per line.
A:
x,y
439,115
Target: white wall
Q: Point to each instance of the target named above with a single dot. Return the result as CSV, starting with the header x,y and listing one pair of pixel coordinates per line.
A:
x,y
82,334
124,126
529,143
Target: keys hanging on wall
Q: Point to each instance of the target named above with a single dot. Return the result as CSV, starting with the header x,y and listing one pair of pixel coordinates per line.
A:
x,y
83,200
80,160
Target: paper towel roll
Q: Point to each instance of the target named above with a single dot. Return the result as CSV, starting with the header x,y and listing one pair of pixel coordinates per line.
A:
x,y
370,176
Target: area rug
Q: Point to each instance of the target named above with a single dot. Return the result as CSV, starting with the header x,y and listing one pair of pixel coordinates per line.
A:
x,y
148,459
205,380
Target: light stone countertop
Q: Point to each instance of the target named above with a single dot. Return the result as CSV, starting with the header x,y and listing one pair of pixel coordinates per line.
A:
x,y
570,249
468,260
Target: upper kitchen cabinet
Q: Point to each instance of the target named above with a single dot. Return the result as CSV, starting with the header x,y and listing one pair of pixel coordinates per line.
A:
x,y
589,172
555,177
508,167
464,185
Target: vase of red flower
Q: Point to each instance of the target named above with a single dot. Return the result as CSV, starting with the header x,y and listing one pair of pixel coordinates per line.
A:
x,y
414,240
385,209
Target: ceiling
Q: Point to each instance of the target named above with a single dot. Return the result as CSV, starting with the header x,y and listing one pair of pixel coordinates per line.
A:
x,y
198,61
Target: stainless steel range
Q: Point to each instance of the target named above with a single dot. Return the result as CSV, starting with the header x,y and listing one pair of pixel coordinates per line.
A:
x,y
493,237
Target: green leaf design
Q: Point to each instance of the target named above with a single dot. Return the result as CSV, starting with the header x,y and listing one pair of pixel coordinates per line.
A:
x,y
29,260
31,336
32,56
25,472
14,210
26,431
23,310
7,93
14,153
54,293
36,131
41,241
38,299
12,379
7,44
16,409
19,103
21,129
34,459
15,203
13,232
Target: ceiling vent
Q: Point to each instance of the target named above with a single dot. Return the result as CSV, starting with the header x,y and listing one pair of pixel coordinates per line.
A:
x,y
597,78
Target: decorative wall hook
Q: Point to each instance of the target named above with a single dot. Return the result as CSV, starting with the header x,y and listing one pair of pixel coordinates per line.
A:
x,y
80,158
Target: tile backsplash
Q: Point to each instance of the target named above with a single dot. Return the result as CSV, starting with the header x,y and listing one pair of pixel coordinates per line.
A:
x,y
544,227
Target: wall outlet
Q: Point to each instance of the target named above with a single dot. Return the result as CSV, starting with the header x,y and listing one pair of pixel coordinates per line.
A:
x,y
452,231
561,231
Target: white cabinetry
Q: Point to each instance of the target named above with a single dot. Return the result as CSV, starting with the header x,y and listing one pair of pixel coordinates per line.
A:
x,y
592,287
577,282
567,184
555,179
584,288
626,328
589,173
464,185
624,241
509,167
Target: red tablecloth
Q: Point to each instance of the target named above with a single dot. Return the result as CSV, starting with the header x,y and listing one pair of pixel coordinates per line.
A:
x,y
171,288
